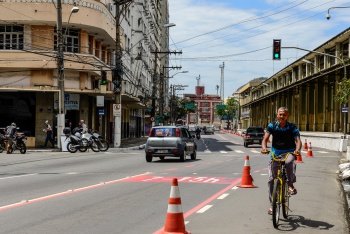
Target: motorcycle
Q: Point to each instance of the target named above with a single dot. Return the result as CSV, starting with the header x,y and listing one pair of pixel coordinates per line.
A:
x,y
91,141
19,143
76,142
198,135
3,142
102,144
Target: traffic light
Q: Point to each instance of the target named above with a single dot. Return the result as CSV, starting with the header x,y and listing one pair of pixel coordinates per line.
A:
x,y
103,77
276,51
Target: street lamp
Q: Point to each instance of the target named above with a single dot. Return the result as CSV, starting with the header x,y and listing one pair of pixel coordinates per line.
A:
x,y
309,62
60,71
176,74
328,16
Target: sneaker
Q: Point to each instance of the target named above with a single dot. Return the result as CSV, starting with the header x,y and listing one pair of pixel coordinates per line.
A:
x,y
269,211
292,190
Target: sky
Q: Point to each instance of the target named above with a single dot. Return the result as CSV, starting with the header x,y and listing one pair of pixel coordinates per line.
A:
x,y
239,34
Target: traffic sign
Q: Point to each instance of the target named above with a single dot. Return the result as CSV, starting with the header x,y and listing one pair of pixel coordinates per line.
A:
x,y
344,109
189,105
117,110
152,119
221,107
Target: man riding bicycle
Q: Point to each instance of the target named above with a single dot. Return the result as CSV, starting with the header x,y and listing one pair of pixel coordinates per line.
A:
x,y
286,138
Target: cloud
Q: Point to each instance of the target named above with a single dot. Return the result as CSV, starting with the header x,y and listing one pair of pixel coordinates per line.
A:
x,y
208,29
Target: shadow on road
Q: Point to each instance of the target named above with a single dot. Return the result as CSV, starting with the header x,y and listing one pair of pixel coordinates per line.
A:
x,y
296,222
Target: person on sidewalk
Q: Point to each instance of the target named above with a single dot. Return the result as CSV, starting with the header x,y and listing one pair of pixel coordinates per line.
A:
x,y
49,137
10,133
286,138
82,127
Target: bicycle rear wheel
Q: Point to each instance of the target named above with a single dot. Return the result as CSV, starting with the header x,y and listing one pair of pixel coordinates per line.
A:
x,y
285,200
276,203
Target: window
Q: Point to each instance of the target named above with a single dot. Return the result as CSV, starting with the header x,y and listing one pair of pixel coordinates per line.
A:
x,y
11,37
70,40
205,104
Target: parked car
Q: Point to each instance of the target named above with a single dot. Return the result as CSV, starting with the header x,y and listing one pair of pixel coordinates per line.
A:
x,y
209,130
170,141
253,135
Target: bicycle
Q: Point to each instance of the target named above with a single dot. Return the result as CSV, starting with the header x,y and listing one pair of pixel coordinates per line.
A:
x,y
280,194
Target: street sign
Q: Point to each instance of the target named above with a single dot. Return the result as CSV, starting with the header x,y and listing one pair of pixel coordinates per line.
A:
x,y
344,109
221,107
101,112
152,119
190,105
117,110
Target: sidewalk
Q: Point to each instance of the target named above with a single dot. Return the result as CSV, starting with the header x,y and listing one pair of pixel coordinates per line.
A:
x,y
126,144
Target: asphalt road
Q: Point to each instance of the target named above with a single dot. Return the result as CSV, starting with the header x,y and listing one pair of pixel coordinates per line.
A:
x,y
119,192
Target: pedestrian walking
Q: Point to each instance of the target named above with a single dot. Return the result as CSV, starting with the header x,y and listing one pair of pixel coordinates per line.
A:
x,y
49,137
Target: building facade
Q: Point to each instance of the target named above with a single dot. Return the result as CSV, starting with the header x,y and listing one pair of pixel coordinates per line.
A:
x,y
29,89
205,105
307,87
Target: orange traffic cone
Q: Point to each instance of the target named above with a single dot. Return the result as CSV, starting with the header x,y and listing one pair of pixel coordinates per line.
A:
x,y
247,179
174,222
305,145
299,159
309,151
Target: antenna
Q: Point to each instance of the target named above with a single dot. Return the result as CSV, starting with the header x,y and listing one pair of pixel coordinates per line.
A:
x,y
198,79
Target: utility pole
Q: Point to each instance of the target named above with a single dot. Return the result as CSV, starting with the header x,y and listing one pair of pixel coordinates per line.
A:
x,y
222,85
155,80
173,102
117,73
60,75
162,90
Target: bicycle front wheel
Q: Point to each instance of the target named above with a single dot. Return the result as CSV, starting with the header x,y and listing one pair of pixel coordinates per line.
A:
x,y
285,200
276,203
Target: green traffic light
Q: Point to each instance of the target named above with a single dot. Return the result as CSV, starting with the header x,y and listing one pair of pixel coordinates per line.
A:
x,y
277,55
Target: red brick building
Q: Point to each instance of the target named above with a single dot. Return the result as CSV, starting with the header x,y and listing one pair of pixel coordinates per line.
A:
x,y
205,107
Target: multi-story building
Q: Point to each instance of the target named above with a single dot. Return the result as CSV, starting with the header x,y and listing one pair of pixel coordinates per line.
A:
x,y
29,81
205,107
308,88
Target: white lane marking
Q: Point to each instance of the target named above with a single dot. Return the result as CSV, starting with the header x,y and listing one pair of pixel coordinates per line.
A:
x,y
12,177
204,209
207,151
71,173
239,151
223,196
322,152
223,152
254,151
186,222
235,187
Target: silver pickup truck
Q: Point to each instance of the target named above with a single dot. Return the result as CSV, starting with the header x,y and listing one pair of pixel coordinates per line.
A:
x,y
170,141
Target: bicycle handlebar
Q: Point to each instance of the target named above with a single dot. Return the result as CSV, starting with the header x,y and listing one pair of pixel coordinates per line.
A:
x,y
282,157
